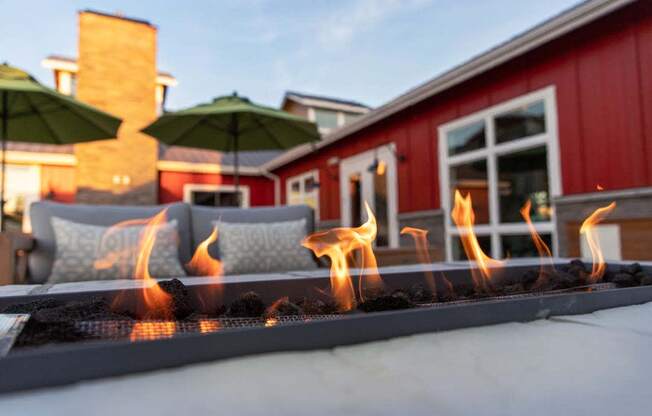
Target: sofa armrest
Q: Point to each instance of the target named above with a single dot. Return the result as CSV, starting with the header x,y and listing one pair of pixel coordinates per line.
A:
x,y
14,248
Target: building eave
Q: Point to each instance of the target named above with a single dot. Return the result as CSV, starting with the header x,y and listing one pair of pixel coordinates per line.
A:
x,y
539,35
209,168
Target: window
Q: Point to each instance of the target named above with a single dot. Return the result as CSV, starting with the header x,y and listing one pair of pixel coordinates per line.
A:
x,y
503,156
351,117
216,195
304,190
326,119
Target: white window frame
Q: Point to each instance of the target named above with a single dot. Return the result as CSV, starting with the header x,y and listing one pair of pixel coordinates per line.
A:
x,y
314,174
490,153
360,163
189,188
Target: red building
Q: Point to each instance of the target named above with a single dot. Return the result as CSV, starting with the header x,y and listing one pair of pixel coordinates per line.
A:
x,y
547,116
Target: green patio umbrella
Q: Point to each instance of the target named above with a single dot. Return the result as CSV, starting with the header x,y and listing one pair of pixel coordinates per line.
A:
x,y
31,112
231,124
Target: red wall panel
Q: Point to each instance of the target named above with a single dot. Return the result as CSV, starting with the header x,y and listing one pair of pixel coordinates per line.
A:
x,y
261,189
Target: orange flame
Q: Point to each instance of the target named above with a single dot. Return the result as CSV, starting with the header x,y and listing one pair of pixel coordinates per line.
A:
x,y
587,229
152,330
157,301
423,254
464,219
542,248
202,263
599,187
337,244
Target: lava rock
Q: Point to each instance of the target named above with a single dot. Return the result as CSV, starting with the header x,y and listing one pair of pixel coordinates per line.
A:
x,y
283,308
646,280
632,269
530,277
247,305
395,301
317,307
31,307
84,310
180,302
564,280
419,294
513,288
624,280
37,333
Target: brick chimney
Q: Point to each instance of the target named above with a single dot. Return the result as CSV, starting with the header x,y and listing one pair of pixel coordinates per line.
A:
x,y
117,73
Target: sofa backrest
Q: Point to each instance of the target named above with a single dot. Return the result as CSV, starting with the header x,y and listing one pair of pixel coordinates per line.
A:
x,y
202,218
42,257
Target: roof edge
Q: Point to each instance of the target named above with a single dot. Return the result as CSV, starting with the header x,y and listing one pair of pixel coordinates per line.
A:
x,y
553,28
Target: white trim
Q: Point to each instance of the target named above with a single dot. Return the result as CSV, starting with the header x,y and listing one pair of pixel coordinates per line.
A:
x,y
188,188
359,164
22,157
314,174
556,27
60,64
177,166
490,153
167,80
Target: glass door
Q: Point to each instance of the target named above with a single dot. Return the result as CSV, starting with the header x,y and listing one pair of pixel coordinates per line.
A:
x,y
371,177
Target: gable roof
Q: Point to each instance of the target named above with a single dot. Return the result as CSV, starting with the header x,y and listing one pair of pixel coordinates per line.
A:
x,y
553,28
320,101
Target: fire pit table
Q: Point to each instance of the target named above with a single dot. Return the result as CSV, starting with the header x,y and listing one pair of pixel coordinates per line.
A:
x,y
119,346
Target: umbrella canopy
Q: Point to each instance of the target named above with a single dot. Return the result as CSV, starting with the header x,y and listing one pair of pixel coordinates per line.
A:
x,y
230,124
31,112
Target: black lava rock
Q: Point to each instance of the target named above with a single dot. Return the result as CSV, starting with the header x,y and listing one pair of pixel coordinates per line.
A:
x,y
624,280
283,308
31,307
646,280
84,310
37,333
419,294
317,307
397,300
632,269
247,305
181,305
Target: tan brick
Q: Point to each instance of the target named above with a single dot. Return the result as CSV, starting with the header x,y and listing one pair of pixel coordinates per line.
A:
x,y
117,73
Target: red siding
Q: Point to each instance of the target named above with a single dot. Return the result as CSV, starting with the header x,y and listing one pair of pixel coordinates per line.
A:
x,y
261,189
603,79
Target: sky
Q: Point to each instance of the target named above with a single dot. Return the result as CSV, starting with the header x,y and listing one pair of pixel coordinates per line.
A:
x,y
365,50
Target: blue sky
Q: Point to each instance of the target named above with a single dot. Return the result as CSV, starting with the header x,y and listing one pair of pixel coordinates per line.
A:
x,y
367,50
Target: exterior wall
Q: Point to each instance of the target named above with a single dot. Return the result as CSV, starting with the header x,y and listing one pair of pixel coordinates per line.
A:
x,y
603,79
117,73
261,189
58,183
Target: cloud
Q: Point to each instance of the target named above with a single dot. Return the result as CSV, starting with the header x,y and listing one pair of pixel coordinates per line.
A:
x,y
363,15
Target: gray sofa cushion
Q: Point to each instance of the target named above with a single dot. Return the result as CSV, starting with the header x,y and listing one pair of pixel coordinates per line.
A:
x,y
92,252
42,258
263,248
203,217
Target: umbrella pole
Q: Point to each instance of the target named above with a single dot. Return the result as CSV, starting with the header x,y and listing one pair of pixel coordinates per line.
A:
x,y
3,139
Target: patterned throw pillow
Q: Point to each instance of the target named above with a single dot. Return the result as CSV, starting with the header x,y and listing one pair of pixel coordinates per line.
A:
x,y
88,252
263,247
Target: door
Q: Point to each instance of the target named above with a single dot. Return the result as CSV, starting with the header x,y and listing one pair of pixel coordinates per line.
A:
x,y
371,177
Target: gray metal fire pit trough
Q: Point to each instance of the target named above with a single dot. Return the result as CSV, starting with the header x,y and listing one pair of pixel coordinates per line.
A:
x,y
58,364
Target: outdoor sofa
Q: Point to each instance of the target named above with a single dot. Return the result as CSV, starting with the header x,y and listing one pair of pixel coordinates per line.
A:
x,y
27,259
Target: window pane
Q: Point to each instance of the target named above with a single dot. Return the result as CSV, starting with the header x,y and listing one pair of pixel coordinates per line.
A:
x,y
458,248
523,176
522,245
326,119
380,204
227,199
472,178
521,122
203,198
355,198
469,137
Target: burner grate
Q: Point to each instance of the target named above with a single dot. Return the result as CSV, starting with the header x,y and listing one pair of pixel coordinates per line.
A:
x,y
159,329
